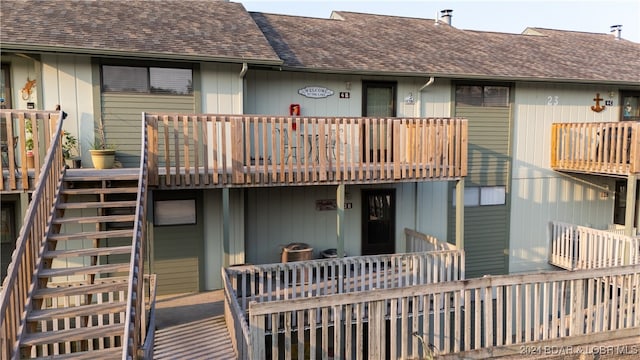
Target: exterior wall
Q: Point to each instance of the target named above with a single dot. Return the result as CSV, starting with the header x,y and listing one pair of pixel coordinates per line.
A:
x,y
270,92
282,215
215,256
539,194
22,69
68,81
221,88
122,114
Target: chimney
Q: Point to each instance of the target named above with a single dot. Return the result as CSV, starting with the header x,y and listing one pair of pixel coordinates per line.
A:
x,y
617,29
445,16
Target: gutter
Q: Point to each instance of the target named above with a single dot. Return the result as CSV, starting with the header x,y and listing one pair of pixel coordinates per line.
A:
x,y
133,55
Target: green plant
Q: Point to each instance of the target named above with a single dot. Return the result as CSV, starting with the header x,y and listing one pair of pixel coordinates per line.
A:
x,y
28,143
69,145
100,142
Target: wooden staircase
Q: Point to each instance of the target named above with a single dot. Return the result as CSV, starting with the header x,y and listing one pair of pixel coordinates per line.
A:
x,y
79,300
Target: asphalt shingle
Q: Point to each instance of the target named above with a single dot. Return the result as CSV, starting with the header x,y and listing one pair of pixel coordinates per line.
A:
x,y
168,28
351,42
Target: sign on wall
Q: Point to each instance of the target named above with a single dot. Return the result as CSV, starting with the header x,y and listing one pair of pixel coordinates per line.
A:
x,y
315,92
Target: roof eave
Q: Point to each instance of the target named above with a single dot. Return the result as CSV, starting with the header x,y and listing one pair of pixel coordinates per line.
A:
x,y
144,55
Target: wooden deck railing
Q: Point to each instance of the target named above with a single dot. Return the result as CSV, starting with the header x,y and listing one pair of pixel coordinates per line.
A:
x,y
271,283
578,247
16,288
475,318
23,131
607,148
134,333
419,242
247,150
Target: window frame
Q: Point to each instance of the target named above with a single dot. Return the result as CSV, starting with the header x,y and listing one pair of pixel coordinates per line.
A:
x,y
483,87
623,96
393,85
148,84
6,71
473,196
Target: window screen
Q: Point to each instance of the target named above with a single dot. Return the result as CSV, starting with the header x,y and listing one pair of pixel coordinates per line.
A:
x,y
143,79
478,95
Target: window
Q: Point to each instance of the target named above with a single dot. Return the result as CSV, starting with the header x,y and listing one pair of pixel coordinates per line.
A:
x,y
482,196
5,87
150,80
630,106
480,95
379,99
174,212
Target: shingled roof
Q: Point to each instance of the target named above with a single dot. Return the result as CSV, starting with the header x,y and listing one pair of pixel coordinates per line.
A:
x,y
354,42
194,29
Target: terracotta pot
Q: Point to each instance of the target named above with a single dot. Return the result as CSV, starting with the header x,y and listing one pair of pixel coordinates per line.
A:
x,y
103,159
30,160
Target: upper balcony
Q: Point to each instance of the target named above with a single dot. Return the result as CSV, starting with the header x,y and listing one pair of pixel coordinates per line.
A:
x,y
25,136
611,148
208,151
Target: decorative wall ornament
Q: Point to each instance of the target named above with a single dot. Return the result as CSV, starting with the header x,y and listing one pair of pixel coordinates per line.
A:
x,y
597,107
28,88
315,92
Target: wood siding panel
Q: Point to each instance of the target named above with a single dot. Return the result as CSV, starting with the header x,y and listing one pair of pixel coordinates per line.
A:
x,y
177,276
486,227
489,158
122,115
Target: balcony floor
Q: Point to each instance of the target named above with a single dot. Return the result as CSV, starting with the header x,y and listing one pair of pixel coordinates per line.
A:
x,y
192,326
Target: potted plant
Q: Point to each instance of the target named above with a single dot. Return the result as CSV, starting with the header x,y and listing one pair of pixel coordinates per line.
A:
x,y
70,150
102,154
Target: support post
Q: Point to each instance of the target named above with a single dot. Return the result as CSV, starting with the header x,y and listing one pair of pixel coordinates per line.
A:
x,y
460,214
226,241
629,215
340,220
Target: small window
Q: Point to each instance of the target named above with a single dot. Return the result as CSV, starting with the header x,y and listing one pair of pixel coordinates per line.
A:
x,y
153,80
174,212
478,95
482,196
631,107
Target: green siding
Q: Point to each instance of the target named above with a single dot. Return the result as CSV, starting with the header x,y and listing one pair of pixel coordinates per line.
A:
x,y
178,250
122,116
486,235
489,154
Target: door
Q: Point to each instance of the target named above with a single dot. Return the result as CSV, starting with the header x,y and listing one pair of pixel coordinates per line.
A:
x,y
378,221
378,100
620,203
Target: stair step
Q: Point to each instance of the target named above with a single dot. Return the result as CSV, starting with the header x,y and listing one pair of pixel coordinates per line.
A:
x,y
73,311
98,175
94,219
112,284
80,270
103,354
115,250
92,235
99,190
82,333
97,204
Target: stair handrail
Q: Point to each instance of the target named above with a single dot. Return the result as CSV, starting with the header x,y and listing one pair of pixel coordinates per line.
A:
x,y
133,332
17,287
